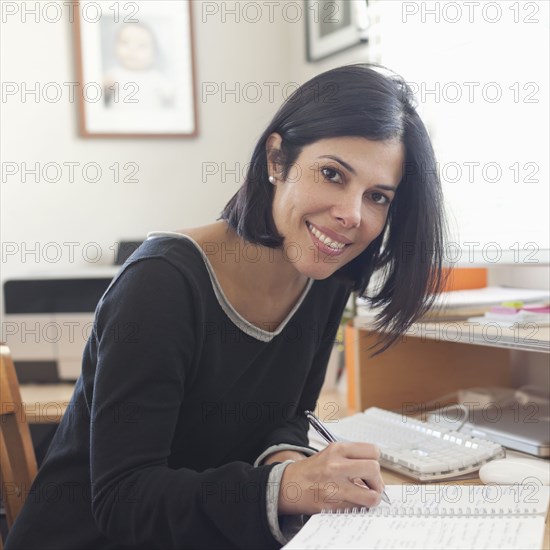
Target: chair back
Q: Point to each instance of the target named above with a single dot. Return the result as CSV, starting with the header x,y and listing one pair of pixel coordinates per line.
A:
x,y
17,458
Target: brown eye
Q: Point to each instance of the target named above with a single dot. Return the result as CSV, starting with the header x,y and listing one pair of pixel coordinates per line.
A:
x,y
332,175
379,198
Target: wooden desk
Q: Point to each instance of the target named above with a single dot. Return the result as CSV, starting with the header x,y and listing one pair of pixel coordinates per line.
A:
x,y
45,403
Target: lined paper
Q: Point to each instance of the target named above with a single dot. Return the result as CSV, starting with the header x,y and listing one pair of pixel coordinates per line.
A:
x,y
436,516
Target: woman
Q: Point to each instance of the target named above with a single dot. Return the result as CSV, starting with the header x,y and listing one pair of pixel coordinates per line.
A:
x,y
186,428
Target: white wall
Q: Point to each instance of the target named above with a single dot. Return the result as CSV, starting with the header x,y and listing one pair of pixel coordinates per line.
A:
x,y
170,193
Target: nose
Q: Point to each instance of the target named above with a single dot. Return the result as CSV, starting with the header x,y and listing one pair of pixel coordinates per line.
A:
x,y
348,210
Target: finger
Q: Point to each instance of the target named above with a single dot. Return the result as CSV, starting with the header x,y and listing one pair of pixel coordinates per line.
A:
x,y
356,450
346,468
368,471
348,494
373,477
371,485
362,496
359,482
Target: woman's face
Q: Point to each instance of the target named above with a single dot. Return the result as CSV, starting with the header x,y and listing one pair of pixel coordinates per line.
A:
x,y
335,200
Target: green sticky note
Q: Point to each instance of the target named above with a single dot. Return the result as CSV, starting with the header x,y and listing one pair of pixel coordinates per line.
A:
x,y
511,303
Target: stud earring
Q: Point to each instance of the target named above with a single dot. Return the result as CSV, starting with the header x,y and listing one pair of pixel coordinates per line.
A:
x,y
271,179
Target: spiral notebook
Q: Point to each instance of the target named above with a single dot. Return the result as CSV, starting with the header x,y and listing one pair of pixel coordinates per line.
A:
x,y
435,516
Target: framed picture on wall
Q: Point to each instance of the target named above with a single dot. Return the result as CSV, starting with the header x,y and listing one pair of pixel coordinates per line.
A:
x,y
334,25
135,66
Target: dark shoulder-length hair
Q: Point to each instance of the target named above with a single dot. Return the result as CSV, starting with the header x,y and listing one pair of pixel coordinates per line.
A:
x,y
367,101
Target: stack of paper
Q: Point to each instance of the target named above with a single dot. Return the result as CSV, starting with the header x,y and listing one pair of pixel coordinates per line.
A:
x,y
462,304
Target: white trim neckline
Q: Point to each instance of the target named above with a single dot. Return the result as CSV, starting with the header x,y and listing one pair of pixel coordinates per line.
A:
x,y
246,326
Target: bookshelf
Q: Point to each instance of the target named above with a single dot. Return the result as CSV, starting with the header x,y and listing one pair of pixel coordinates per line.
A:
x,y
432,360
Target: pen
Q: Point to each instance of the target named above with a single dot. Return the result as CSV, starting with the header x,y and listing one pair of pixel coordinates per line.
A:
x,y
330,438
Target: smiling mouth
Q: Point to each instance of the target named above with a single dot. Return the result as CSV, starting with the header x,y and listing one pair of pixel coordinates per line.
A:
x,y
328,243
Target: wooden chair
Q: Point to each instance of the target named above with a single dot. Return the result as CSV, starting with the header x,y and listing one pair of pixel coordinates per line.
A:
x,y
17,458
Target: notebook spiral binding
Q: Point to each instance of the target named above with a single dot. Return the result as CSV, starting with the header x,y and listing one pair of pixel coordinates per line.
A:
x,y
439,511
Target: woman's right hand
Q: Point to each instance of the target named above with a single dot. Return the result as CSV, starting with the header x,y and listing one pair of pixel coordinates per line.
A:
x,y
332,480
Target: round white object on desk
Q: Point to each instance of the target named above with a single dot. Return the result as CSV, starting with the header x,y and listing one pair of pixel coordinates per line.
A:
x,y
509,471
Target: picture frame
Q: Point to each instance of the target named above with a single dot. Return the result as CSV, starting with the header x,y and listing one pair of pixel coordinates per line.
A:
x,y
136,69
334,25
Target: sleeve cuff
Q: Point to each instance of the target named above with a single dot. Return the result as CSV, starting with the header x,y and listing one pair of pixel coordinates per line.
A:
x,y
283,528
282,447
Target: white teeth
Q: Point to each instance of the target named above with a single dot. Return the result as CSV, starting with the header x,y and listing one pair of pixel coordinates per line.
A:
x,y
324,239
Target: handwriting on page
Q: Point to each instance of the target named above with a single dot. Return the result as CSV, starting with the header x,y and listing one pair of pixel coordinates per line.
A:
x,y
422,517
414,533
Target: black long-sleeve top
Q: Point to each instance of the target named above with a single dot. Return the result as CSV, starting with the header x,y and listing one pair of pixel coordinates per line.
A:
x,y
177,398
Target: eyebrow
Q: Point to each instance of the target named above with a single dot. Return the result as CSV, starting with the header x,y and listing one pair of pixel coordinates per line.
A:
x,y
349,168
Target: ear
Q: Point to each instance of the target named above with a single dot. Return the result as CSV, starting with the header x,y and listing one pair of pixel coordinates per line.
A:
x,y
273,155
